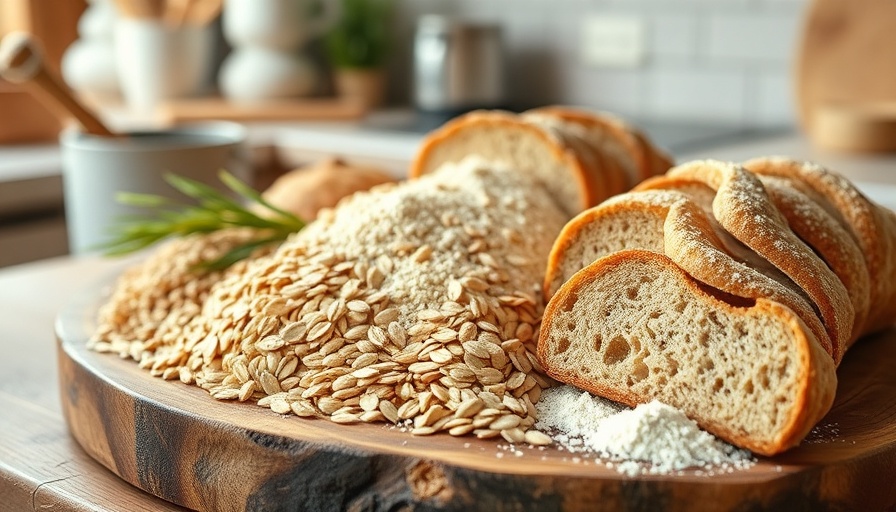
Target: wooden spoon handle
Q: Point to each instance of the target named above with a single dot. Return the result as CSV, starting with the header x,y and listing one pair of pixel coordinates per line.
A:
x,y
21,62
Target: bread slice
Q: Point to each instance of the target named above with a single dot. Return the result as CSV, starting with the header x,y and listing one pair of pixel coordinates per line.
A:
x,y
871,225
830,240
600,167
670,223
544,153
704,195
634,327
638,156
745,210
609,138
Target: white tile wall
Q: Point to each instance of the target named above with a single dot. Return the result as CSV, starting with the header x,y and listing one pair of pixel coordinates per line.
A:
x,y
767,38
709,60
672,38
698,94
775,104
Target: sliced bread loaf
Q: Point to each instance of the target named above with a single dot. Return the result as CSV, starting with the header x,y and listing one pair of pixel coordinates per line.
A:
x,y
581,157
634,326
508,140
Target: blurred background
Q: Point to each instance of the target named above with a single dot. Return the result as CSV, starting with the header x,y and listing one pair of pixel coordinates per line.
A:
x,y
364,80
723,61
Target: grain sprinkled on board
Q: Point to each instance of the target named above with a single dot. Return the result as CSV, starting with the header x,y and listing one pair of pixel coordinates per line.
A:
x,y
652,438
416,304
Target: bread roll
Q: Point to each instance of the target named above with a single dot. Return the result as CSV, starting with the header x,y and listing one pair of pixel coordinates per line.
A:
x,y
306,190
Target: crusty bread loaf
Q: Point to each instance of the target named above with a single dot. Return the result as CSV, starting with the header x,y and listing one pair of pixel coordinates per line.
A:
x,y
830,240
579,164
600,162
819,226
633,327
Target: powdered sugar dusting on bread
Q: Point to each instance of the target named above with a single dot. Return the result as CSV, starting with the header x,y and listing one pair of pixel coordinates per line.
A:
x,y
652,438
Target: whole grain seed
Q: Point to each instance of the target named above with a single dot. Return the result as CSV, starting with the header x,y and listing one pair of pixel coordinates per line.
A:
x,y
485,433
369,402
386,316
347,394
358,306
372,416
269,383
280,406
344,418
461,430
329,405
365,360
430,377
409,409
514,435
389,411
303,328
289,383
356,333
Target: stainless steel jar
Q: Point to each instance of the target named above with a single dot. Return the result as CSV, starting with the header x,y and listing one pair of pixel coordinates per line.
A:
x,y
458,65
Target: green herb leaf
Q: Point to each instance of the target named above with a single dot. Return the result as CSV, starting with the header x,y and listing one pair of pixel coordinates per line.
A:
x,y
213,211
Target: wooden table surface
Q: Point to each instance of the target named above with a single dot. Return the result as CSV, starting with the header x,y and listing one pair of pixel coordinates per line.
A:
x,y
41,465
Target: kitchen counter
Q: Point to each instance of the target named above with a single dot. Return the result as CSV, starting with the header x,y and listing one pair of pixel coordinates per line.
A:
x,y
41,466
857,167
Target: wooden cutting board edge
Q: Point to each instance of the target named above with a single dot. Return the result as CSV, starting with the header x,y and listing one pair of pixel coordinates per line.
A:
x,y
174,441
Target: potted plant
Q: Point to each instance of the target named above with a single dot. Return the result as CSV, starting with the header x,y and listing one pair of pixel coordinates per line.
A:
x,y
357,46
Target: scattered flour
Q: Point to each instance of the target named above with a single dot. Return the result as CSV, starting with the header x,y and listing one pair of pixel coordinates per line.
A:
x,y
652,433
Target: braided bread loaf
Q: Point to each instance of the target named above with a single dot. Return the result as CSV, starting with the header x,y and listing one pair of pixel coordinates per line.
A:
x,y
728,291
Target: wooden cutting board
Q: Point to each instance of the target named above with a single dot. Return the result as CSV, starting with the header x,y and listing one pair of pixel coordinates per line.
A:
x,y
846,69
176,442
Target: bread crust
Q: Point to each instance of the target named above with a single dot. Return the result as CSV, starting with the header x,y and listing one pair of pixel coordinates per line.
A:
x,y
816,378
872,226
833,243
570,233
745,210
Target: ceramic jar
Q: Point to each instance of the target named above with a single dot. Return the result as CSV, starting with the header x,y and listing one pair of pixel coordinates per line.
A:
x,y
267,37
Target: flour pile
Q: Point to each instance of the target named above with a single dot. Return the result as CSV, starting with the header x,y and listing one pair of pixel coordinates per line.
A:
x,y
652,433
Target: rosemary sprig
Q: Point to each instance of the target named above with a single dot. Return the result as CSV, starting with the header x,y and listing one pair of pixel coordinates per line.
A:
x,y
213,211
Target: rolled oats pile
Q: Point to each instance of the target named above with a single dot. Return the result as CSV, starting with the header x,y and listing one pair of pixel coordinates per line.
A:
x,y
417,304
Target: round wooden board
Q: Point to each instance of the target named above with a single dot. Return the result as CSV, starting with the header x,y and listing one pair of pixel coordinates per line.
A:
x,y
845,57
176,442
